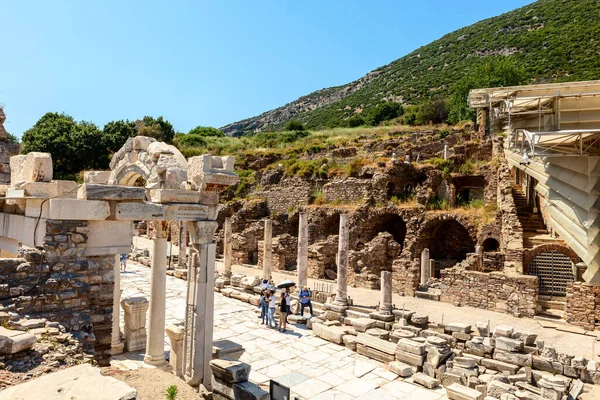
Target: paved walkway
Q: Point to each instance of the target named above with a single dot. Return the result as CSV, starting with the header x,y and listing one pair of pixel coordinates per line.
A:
x,y
313,368
580,344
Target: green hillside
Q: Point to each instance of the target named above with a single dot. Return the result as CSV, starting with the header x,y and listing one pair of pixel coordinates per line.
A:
x,y
549,41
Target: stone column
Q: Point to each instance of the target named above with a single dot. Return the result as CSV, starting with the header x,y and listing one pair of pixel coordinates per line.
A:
x,y
302,262
267,249
445,152
227,247
199,316
116,345
135,309
479,252
432,268
424,266
155,344
175,333
182,263
385,304
341,295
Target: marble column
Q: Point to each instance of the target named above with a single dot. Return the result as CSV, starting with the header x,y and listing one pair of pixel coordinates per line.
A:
x,y
182,263
116,345
341,295
445,152
385,303
425,266
155,344
302,262
227,249
267,249
199,316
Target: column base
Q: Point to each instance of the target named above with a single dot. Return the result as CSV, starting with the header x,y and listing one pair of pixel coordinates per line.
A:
x,y
155,362
382,316
117,348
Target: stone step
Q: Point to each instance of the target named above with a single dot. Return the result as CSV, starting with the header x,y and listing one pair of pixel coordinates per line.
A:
x,y
552,304
427,295
356,314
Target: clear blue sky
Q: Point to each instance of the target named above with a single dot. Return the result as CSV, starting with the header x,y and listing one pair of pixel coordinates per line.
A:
x,y
203,62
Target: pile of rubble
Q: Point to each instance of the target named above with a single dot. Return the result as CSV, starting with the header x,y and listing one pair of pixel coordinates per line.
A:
x,y
34,347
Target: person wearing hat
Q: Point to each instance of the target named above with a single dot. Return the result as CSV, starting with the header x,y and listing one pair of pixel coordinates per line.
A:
x,y
304,297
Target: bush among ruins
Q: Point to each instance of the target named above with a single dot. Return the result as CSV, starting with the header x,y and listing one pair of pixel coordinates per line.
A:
x,y
353,168
467,168
171,393
308,169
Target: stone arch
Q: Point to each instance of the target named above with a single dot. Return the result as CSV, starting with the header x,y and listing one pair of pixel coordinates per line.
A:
x,y
530,254
389,222
161,165
448,237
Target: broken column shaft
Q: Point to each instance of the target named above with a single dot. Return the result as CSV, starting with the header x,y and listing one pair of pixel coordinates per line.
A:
x,y
267,249
302,249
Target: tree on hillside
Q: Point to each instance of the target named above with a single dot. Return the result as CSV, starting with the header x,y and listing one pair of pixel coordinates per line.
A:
x,y
116,134
158,128
355,121
74,145
384,112
494,72
206,131
294,125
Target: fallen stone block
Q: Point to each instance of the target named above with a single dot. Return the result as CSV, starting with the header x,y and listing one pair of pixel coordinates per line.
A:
x,y
79,382
89,191
426,380
350,342
458,327
241,390
374,353
401,369
496,388
503,331
500,366
411,359
459,392
379,333
31,167
432,371
226,348
507,344
527,337
450,377
398,334
410,346
332,334
403,313
464,362
12,342
419,319
522,360
362,324
376,343
230,371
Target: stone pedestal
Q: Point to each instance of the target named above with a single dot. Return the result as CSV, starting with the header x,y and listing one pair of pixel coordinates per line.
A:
x,y
199,316
175,333
341,294
267,249
385,304
479,252
302,262
155,344
116,345
425,266
227,248
135,322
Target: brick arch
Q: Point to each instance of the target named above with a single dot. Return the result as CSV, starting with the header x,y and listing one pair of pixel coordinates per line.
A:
x,y
459,238
530,254
161,165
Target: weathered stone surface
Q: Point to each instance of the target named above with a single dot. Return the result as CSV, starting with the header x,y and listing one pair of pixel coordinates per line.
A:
x,y
401,369
379,333
362,324
448,378
522,360
135,309
409,358
458,327
376,343
410,346
496,388
163,196
419,319
374,353
238,391
206,171
12,342
460,392
464,362
31,167
96,177
507,344
503,331
230,371
89,191
333,334
79,382
350,341
527,337
426,380
226,348
500,366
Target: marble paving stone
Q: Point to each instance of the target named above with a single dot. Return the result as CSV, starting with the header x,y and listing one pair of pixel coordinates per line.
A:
x,y
257,377
315,356
362,368
357,387
275,371
292,379
399,387
332,379
378,394
333,395
310,387
384,373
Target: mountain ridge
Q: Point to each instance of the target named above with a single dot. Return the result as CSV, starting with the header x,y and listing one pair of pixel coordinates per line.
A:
x,y
553,40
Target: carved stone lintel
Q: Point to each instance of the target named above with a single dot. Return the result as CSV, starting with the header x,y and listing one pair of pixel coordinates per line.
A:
x,y
201,232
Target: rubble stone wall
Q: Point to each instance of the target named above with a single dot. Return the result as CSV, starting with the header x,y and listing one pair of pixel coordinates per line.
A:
x,y
512,232
62,285
583,305
288,194
349,190
494,291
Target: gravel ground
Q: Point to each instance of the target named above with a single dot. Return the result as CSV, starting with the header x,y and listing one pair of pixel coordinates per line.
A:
x,y
152,384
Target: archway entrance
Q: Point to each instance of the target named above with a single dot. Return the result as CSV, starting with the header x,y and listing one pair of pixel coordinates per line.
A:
x,y
490,244
554,271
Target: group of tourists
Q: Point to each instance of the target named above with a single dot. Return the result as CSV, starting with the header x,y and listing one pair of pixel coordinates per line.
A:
x,y
269,302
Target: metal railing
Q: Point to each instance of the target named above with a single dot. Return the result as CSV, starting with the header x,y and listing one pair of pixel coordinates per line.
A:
x,y
553,144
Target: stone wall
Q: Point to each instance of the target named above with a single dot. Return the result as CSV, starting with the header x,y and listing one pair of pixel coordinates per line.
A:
x,y
285,252
62,285
512,233
288,194
405,276
494,291
347,190
583,305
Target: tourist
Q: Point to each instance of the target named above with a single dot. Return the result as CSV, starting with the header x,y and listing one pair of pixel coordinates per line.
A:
x,y
272,304
124,262
283,307
288,303
304,296
264,307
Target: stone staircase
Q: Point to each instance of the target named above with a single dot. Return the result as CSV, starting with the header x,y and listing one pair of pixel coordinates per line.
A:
x,y
552,309
534,229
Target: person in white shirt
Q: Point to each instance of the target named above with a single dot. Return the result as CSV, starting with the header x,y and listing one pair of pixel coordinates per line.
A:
x,y
272,306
